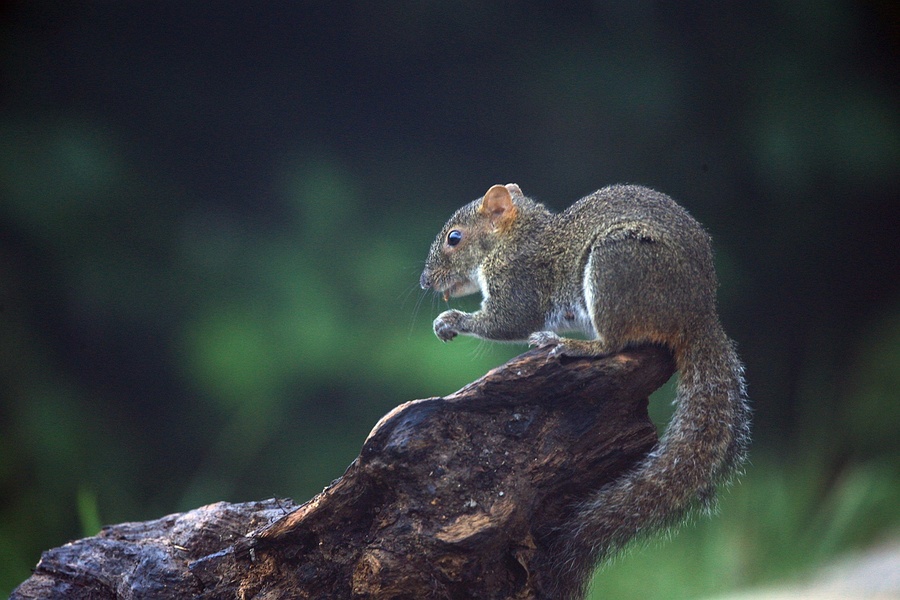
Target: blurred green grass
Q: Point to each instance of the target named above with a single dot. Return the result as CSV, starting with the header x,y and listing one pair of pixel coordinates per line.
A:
x,y
783,519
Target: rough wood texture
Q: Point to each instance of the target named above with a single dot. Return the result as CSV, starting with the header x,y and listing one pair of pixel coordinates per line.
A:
x,y
456,497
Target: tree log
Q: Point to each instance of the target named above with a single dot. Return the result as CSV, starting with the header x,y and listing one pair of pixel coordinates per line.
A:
x,y
455,497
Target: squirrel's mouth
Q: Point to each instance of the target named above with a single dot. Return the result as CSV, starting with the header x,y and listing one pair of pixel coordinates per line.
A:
x,y
459,288
453,291
448,291
448,287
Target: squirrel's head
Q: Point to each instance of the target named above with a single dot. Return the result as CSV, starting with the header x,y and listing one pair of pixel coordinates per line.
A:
x,y
467,239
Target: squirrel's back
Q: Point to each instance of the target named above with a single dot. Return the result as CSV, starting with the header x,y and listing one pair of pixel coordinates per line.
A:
x,y
645,265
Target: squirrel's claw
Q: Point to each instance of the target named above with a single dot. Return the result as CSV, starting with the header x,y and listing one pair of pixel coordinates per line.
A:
x,y
542,339
446,326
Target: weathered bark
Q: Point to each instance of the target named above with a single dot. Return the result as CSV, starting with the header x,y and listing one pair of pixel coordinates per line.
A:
x,y
456,497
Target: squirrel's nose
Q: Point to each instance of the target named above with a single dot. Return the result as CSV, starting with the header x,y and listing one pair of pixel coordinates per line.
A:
x,y
425,280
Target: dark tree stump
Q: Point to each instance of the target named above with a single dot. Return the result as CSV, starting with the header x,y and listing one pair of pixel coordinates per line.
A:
x,y
456,497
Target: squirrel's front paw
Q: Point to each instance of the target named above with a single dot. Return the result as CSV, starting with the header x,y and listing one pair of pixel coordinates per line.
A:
x,y
446,326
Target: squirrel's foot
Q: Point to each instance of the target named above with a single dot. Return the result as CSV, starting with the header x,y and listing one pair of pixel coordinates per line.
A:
x,y
565,346
546,339
542,339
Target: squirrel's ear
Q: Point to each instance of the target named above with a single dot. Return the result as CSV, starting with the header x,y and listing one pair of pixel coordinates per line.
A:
x,y
498,206
514,189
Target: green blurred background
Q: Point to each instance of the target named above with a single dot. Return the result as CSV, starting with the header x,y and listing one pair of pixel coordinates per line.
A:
x,y
213,217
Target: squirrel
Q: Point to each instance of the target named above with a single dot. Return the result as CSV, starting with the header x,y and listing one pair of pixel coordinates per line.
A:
x,y
625,265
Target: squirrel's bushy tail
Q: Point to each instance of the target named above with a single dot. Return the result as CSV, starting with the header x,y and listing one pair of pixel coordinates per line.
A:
x,y
705,442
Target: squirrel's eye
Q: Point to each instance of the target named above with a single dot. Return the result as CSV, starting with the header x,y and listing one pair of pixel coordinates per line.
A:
x,y
454,237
